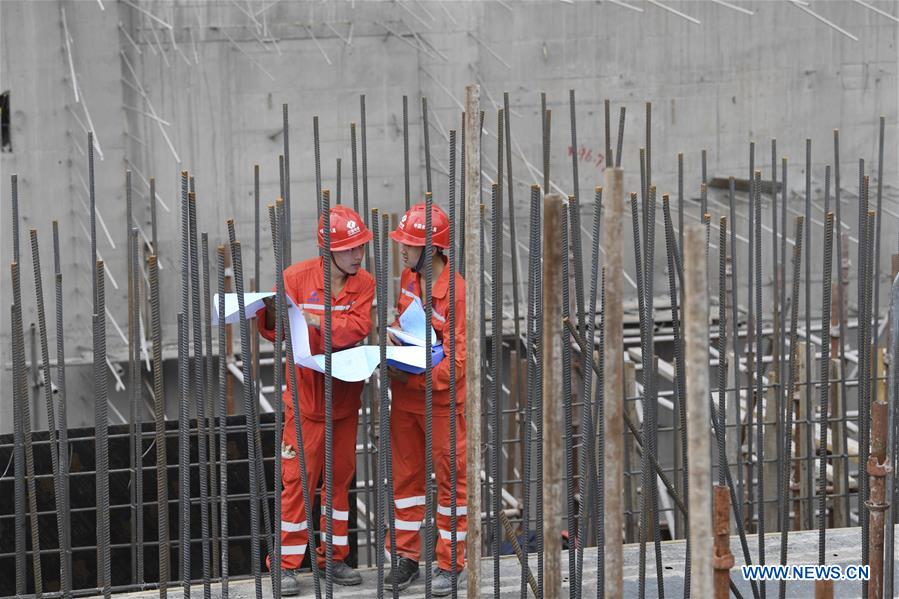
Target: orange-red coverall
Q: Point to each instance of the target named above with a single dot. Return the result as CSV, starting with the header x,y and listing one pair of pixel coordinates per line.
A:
x,y
350,324
407,431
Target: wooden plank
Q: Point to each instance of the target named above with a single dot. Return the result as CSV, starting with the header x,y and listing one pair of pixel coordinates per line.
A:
x,y
473,318
553,425
614,380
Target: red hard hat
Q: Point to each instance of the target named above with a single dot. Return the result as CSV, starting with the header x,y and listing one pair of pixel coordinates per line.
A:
x,y
412,231
348,230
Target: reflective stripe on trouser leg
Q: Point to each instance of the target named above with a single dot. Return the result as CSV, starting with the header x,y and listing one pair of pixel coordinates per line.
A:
x,y
294,533
344,468
407,440
445,492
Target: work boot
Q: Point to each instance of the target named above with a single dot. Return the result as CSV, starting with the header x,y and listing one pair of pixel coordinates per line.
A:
x,y
290,584
442,582
341,574
405,574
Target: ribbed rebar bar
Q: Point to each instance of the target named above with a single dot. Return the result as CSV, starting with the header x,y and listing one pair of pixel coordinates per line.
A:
x,y
722,348
841,292
406,195
823,421
199,394
101,425
608,161
531,351
288,244
25,426
462,199
212,408
183,455
162,493
18,453
760,421
588,452
93,216
787,465
620,137
809,491
388,455
223,417
133,387
429,403
451,319
48,398
14,194
427,142
383,482
575,218
566,408
277,242
646,375
328,500
248,395
680,376
137,389
63,451
364,149
496,325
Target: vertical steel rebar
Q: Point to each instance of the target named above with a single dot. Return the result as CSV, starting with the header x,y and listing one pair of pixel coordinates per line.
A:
x,y
588,452
48,398
808,437
18,453
199,394
760,420
454,475
575,229
328,501
841,299
248,411
406,195
566,404
388,455
288,244
277,244
823,422
427,141
65,541
93,216
101,424
787,465
212,408
222,399
162,494
133,386
621,115
137,389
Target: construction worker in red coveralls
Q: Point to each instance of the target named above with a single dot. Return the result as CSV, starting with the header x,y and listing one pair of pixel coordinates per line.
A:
x,y
407,412
352,290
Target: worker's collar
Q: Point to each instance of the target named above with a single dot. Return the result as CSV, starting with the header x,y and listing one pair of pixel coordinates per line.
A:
x,y
441,285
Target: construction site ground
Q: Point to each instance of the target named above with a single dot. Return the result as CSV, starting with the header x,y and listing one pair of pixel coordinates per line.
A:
x,y
843,549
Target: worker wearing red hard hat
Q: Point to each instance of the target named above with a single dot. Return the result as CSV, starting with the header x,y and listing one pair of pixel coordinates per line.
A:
x,y
407,413
352,290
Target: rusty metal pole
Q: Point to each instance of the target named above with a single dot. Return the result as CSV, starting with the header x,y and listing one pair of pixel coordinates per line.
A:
x,y
614,382
696,335
553,435
724,559
473,318
878,466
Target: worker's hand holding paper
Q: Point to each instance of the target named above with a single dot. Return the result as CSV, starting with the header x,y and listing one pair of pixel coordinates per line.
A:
x,y
412,326
354,364
253,302
412,334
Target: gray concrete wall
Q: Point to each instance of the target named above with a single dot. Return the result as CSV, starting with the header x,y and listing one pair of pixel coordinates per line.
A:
x,y
220,85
